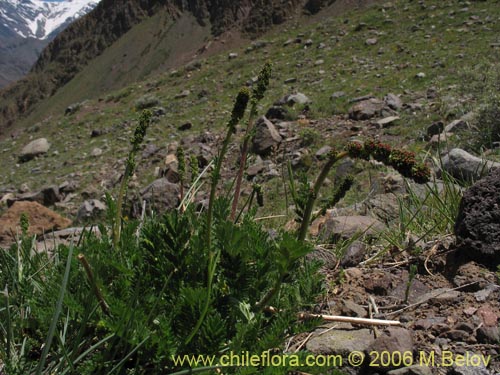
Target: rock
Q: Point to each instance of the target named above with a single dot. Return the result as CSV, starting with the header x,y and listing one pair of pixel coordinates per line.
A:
x,y
340,341
24,188
161,195
411,370
371,41
488,335
476,365
487,316
323,152
464,166
41,220
47,196
68,187
437,139
185,126
277,113
440,296
387,121
256,167
97,133
456,335
65,237
393,339
183,94
394,183
297,98
349,308
72,109
170,170
484,294
266,136
96,152
455,126
33,149
346,227
337,95
149,151
378,283
344,167
354,254
384,206
90,209
159,111
393,102
477,227
435,128
366,109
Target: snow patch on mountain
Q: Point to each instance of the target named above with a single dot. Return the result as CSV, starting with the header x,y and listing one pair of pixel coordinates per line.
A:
x,y
39,18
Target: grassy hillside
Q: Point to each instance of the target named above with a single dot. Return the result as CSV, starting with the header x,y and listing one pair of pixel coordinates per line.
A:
x,y
443,40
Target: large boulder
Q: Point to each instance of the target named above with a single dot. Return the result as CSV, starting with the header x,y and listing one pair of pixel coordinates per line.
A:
x,y
41,220
366,109
34,148
464,166
477,227
266,136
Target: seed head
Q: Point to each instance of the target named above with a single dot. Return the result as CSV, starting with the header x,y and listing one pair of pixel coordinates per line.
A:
x,y
262,82
240,105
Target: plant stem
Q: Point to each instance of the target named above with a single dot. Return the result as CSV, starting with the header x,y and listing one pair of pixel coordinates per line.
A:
x,y
95,288
314,193
243,159
117,225
269,295
239,108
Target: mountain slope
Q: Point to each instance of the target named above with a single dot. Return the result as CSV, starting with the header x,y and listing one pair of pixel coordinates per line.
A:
x,y
26,27
91,35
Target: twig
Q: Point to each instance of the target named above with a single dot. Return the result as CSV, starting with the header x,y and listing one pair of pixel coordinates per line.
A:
x,y
347,319
268,217
375,307
304,342
431,253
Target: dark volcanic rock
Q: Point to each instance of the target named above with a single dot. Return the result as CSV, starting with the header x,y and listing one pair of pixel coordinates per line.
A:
x,y
478,223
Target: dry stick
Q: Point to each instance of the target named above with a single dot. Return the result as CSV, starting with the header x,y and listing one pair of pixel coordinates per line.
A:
x,y
90,276
346,319
304,342
431,253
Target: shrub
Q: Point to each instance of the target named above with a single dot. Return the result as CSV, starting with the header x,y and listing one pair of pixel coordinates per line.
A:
x,y
146,101
309,136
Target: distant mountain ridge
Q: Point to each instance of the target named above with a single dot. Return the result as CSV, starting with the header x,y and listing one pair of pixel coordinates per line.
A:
x,y
90,36
27,26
